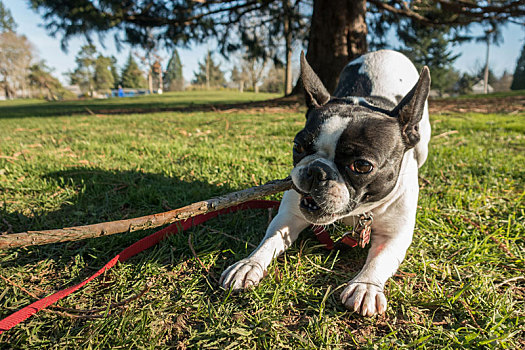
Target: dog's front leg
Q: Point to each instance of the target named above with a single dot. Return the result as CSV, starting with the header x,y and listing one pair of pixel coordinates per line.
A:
x,y
391,237
281,233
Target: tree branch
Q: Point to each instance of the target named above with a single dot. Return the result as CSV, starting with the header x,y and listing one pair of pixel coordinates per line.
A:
x,y
29,238
464,12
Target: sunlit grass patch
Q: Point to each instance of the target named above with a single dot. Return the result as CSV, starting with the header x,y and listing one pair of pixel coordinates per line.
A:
x,y
461,284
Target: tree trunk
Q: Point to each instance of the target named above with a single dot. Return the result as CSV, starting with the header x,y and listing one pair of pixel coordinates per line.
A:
x,y
288,47
161,83
208,71
337,36
6,90
486,73
150,81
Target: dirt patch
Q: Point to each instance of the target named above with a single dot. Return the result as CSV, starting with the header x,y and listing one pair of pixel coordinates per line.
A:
x,y
278,105
509,104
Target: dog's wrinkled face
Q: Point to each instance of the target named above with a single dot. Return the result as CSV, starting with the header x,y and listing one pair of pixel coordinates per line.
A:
x,y
346,156
349,154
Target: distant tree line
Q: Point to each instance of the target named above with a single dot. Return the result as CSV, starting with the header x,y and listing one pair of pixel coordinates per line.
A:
x,y
97,73
518,81
19,74
258,31
247,74
334,31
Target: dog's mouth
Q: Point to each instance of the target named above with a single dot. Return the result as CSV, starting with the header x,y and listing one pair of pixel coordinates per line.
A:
x,y
313,213
308,203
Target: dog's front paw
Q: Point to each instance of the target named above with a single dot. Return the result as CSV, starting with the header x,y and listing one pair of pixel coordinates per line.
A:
x,y
243,274
364,298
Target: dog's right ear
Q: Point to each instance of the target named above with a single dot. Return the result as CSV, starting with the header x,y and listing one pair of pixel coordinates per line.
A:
x,y
409,111
315,93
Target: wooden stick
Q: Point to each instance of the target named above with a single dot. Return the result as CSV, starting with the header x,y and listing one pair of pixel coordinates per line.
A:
x,y
29,238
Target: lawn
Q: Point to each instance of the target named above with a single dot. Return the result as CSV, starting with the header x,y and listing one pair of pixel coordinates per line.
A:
x,y
166,101
461,285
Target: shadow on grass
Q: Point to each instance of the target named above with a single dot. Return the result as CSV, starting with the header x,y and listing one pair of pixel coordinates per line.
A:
x,y
135,106
106,195
90,196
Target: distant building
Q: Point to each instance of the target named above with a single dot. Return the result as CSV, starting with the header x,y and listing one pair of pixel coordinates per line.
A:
x,y
479,88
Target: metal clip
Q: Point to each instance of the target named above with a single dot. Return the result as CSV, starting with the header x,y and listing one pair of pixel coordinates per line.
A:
x,y
363,229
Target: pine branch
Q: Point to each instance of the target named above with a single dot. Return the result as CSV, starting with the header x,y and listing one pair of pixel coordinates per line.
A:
x,y
460,12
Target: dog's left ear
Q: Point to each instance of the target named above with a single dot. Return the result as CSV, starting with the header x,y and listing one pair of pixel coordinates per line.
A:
x,y
410,110
315,93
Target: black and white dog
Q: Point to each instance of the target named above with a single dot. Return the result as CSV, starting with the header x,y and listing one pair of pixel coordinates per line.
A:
x,y
359,152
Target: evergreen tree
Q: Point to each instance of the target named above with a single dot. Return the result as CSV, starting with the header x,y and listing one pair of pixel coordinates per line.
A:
x,y
518,82
7,22
465,83
103,79
173,79
337,29
209,73
427,46
84,73
40,78
114,72
132,76
503,82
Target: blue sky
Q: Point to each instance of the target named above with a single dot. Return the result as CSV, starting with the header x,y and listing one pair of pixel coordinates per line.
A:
x,y
502,57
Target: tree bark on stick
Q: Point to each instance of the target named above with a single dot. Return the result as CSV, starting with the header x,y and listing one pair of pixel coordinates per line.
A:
x,y
29,238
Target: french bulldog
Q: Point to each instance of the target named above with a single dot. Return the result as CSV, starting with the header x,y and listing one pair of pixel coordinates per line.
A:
x,y
359,152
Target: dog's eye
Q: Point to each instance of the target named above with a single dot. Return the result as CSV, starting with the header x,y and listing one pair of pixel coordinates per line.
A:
x,y
361,166
297,147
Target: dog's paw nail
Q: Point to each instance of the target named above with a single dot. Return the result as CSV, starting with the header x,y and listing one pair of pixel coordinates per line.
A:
x,y
365,299
244,274
356,306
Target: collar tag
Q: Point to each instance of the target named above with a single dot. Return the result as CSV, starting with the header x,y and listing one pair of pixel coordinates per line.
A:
x,y
363,229
359,235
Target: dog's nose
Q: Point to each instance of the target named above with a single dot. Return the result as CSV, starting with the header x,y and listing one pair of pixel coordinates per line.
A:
x,y
317,172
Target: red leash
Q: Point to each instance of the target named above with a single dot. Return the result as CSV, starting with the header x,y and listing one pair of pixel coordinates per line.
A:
x,y
145,243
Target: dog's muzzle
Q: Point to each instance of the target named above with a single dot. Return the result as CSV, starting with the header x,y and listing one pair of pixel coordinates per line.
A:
x,y
323,192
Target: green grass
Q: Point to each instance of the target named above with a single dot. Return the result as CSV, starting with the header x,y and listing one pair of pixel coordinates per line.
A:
x,y
457,288
169,100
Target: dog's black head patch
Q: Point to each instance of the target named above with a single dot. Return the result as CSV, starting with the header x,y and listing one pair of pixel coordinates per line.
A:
x,y
350,151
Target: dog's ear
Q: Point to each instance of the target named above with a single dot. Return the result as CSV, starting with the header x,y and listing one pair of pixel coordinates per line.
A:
x,y
315,93
410,110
